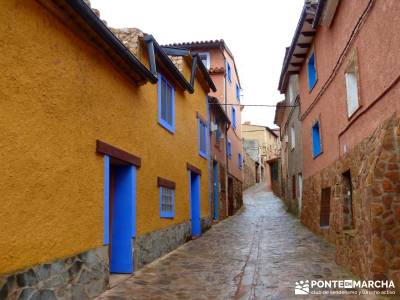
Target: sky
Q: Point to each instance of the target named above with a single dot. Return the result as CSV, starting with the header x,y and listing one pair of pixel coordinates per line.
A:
x,y
256,32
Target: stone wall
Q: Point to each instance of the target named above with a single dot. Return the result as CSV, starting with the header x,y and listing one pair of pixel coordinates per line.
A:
x,y
153,245
83,276
276,174
237,194
150,246
249,171
130,37
370,242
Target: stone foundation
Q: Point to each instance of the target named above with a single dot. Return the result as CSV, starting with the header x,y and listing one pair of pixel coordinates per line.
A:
x,y
153,245
83,276
366,230
150,246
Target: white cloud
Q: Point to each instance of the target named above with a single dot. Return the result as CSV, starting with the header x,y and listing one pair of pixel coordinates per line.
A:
x,y
256,31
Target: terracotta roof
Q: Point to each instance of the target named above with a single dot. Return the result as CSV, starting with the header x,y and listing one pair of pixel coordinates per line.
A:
x,y
206,44
201,44
217,70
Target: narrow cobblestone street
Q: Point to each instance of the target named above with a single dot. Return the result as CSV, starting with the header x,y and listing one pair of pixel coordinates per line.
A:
x,y
258,254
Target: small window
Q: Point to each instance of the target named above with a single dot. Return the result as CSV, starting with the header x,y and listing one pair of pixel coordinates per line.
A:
x,y
294,187
292,138
228,72
325,210
312,72
237,92
205,58
347,192
316,135
240,161
202,138
166,104
166,202
233,118
352,92
229,146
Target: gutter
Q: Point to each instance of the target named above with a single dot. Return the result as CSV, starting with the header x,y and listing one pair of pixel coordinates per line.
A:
x,y
86,13
148,38
205,73
318,14
292,47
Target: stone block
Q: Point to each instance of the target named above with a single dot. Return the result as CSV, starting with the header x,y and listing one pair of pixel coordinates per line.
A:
x,y
379,265
378,246
395,264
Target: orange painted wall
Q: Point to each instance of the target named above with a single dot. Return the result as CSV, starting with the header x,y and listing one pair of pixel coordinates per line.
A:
x,y
58,94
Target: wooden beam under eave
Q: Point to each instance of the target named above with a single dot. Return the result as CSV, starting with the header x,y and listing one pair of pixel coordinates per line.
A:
x,y
300,55
308,33
297,64
310,21
304,45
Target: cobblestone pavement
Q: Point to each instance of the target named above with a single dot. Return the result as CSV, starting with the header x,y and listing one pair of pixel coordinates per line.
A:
x,y
257,254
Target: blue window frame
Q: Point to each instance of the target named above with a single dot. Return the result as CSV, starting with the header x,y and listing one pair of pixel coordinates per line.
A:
x,y
316,136
229,72
237,92
312,72
240,161
233,118
202,138
166,104
167,202
229,149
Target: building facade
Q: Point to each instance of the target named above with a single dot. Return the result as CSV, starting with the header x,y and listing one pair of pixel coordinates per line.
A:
x,y
91,183
264,142
348,68
287,117
219,125
222,68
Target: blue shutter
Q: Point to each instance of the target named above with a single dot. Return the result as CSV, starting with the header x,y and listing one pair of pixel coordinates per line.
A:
x,y
202,138
166,104
233,118
316,140
312,72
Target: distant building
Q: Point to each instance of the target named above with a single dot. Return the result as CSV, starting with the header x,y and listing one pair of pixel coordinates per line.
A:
x,y
220,62
346,55
287,118
263,145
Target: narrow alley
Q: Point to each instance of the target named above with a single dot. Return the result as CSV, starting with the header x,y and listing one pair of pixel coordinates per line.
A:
x,y
258,254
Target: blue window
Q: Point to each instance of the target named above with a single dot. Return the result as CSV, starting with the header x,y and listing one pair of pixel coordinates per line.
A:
x,y
229,150
228,72
167,202
233,118
316,135
166,104
237,92
240,161
202,138
312,72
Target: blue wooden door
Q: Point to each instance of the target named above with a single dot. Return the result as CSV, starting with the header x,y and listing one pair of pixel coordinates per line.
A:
x,y
195,203
122,226
216,190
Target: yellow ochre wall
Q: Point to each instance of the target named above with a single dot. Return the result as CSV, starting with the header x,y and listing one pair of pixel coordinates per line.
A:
x,y
58,95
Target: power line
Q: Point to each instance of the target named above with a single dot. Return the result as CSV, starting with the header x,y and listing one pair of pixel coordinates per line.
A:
x,y
257,105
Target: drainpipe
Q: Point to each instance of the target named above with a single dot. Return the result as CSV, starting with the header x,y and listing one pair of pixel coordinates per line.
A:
x,y
226,139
